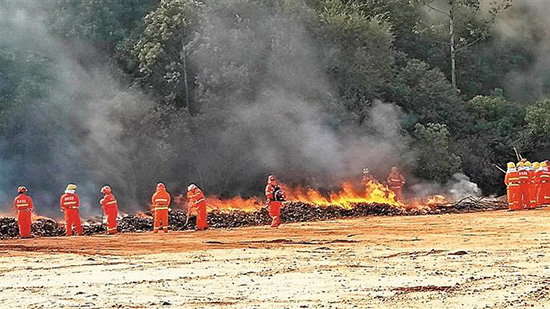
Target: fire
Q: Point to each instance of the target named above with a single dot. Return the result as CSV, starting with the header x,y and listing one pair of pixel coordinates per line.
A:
x,y
372,192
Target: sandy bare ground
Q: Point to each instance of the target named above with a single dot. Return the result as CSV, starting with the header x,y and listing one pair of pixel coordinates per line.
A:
x,y
484,260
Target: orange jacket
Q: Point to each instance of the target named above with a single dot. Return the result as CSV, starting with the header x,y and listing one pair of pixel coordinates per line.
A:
x,y
523,176
269,190
195,196
531,176
160,200
395,180
511,179
23,202
542,176
69,201
109,202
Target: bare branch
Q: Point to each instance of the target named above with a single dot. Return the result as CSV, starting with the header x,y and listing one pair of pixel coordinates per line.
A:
x,y
438,10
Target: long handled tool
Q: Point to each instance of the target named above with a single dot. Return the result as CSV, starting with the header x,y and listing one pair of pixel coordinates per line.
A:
x,y
500,169
518,155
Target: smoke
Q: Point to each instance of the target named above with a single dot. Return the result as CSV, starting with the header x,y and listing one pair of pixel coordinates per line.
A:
x,y
70,126
455,189
526,24
285,118
267,105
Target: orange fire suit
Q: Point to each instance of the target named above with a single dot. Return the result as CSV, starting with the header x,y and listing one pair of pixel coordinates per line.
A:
x,y
196,200
274,206
396,181
160,206
512,187
532,190
23,205
110,207
524,180
543,181
70,202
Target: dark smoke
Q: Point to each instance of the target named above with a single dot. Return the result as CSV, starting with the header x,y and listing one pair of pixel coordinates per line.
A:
x,y
276,112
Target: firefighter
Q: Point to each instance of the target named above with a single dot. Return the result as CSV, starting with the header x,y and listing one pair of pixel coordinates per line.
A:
x,y
512,186
532,196
367,177
543,181
70,202
275,196
23,206
196,201
535,185
160,207
523,174
110,208
396,181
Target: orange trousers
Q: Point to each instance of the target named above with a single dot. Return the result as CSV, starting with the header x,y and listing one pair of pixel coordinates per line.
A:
x,y
524,197
24,222
161,220
543,195
201,216
533,195
398,193
274,212
111,220
513,198
72,218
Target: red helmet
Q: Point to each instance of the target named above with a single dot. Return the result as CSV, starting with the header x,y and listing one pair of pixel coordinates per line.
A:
x,y
22,189
106,190
161,186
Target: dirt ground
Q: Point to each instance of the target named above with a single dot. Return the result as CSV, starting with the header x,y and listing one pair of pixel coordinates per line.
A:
x,y
479,260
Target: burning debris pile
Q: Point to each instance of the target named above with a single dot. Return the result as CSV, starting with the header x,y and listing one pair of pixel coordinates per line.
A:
x,y
292,212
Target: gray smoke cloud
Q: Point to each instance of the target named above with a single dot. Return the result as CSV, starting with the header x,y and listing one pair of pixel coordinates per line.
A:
x,y
526,23
288,120
276,112
74,130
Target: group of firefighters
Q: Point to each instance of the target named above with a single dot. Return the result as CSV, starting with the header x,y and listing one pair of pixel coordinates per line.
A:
x,y
160,207
528,185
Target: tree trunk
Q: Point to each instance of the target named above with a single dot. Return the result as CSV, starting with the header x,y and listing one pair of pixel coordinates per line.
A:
x,y
453,46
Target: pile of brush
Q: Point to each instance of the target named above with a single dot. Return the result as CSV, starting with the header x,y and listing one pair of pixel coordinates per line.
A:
x,y
291,212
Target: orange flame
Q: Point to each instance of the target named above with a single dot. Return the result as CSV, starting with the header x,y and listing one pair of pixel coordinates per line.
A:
x,y
372,192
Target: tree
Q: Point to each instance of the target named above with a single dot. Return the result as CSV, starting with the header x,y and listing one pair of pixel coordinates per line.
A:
x,y
435,159
169,37
476,29
358,53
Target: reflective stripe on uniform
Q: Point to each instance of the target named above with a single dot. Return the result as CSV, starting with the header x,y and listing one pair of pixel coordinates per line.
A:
x,y
161,208
69,203
111,202
201,200
161,200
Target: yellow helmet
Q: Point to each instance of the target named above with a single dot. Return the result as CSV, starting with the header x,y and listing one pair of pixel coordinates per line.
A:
x,y
536,164
543,164
528,164
511,165
71,187
520,164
